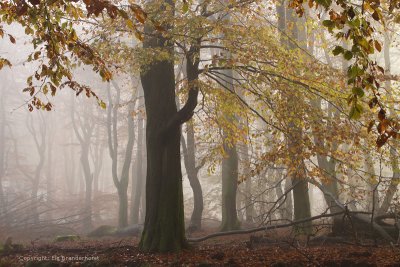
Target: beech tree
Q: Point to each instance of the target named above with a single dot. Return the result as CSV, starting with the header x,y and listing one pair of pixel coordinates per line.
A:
x,y
160,25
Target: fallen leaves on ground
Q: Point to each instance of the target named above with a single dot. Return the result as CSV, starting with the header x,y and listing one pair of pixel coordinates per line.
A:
x,y
237,251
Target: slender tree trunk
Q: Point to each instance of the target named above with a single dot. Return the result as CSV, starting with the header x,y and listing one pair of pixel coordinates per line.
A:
x,y
2,150
112,123
49,178
71,182
249,206
84,135
137,173
35,186
373,198
394,182
39,136
87,216
189,155
394,161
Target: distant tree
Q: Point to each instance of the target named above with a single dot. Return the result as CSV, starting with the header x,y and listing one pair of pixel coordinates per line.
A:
x,y
121,181
83,127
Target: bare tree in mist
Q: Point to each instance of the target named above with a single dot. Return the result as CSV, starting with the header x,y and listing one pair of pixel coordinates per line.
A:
x,y
121,181
138,176
83,126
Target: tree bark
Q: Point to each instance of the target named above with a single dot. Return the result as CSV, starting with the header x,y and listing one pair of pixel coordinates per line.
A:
x,y
164,221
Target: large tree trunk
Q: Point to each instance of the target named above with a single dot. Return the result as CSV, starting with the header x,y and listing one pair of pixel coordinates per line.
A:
x,y
164,222
164,227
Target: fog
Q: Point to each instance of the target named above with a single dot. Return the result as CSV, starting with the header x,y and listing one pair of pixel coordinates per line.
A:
x,y
60,169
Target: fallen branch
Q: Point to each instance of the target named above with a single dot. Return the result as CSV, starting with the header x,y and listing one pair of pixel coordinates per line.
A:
x,y
374,225
263,228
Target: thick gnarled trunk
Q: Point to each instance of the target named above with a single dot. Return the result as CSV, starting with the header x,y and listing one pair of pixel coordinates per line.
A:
x,y
164,221
164,227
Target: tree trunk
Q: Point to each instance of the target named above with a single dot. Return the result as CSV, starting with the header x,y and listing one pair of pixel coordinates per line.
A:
x,y
87,216
2,150
249,206
112,131
394,161
189,155
84,135
371,181
394,182
287,211
136,192
164,227
49,178
39,136
295,148
123,208
229,188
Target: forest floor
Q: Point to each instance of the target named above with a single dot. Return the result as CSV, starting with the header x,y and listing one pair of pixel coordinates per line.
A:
x,y
238,250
